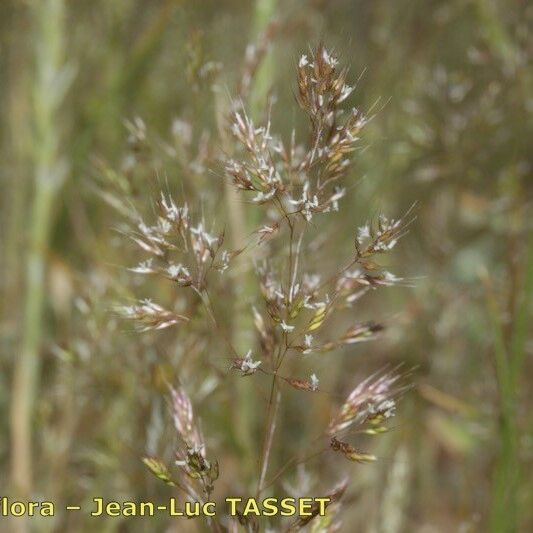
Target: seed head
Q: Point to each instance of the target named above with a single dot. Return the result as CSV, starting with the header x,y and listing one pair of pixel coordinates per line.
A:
x,y
372,399
150,316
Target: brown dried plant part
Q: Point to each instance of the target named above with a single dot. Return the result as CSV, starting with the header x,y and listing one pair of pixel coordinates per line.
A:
x,y
350,452
309,385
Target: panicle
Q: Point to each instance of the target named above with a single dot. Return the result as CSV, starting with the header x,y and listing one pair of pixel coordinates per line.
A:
x,y
256,170
192,457
303,179
373,400
246,365
176,235
183,416
372,239
150,316
296,182
321,85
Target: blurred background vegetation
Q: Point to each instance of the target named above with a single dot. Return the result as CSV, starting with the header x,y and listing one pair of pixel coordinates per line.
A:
x,y
451,86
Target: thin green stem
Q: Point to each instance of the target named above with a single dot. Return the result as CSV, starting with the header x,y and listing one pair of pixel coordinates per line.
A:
x,y
504,510
50,84
520,331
